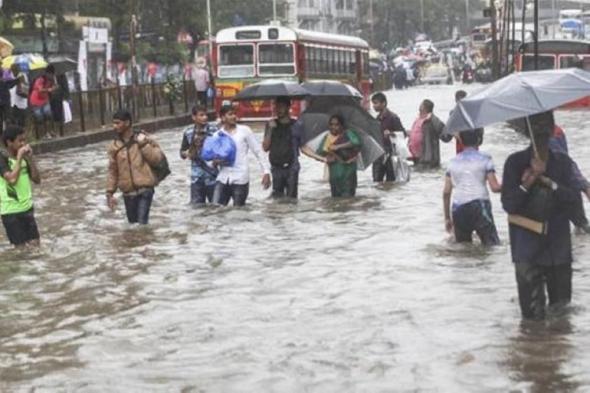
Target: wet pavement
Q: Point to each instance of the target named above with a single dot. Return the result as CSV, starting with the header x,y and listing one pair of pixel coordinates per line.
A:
x,y
361,295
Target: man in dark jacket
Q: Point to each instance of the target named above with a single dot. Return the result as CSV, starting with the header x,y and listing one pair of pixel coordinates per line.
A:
x,y
390,122
540,187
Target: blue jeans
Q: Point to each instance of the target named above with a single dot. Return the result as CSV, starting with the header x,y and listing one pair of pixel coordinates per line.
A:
x,y
42,113
138,206
237,192
201,192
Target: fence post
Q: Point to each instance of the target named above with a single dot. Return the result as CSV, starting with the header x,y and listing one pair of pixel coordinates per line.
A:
x,y
80,102
171,104
154,108
101,103
184,92
119,94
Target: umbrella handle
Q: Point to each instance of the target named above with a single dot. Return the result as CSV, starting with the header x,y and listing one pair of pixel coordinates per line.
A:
x,y
532,136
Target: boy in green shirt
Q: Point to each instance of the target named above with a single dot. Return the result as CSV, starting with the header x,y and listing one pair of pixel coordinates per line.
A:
x,y
17,170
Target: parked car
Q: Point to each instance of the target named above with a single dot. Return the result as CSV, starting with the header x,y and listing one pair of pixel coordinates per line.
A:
x,y
436,74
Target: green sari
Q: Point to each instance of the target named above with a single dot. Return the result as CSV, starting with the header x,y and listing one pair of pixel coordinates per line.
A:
x,y
343,179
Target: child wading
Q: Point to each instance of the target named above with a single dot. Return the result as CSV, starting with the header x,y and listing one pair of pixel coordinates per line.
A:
x,y
18,169
203,174
131,157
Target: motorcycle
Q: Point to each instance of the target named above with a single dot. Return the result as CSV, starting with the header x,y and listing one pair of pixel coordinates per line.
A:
x,y
468,76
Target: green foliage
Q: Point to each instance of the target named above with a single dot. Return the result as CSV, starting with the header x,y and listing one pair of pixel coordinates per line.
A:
x,y
173,88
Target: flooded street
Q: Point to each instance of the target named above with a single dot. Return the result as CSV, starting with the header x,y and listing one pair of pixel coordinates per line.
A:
x,y
362,295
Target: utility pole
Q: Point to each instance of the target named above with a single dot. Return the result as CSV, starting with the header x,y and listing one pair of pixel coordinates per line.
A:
x,y
371,22
422,15
536,43
274,10
210,34
495,68
134,81
467,22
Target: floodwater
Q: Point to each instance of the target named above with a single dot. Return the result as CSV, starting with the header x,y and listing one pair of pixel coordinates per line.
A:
x,y
362,295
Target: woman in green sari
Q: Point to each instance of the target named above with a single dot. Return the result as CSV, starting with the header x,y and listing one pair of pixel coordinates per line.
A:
x,y
339,149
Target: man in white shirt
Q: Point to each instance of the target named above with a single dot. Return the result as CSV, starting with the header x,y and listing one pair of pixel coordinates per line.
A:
x,y
19,96
201,78
233,181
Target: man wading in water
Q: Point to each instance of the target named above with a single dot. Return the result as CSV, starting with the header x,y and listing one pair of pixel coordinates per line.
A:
x,y
538,193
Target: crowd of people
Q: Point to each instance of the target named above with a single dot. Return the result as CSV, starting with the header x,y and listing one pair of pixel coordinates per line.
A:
x,y
540,188
42,98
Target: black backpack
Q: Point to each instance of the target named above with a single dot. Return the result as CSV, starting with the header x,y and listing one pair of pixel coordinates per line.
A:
x,y
281,147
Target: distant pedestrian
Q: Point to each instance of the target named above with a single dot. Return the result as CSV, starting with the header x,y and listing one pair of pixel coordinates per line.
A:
x,y
202,81
233,182
203,174
131,157
538,192
19,95
17,171
390,123
467,177
459,95
39,99
282,139
424,137
7,82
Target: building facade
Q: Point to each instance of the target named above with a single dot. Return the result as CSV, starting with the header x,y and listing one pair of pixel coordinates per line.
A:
x,y
328,16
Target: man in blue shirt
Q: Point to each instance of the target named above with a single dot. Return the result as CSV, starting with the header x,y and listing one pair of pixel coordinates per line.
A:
x,y
467,177
540,187
203,174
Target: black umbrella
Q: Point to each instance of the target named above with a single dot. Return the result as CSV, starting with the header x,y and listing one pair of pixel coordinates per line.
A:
x,y
331,89
270,89
62,64
315,122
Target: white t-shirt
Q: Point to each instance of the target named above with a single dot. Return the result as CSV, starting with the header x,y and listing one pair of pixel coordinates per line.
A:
x,y
201,77
16,100
245,141
468,172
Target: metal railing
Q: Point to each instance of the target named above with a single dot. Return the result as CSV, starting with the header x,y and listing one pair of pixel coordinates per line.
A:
x,y
94,109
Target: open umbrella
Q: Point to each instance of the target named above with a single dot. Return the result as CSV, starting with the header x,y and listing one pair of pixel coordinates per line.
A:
x,y
26,61
63,64
6,47
519,95
315,122
270,89
331,89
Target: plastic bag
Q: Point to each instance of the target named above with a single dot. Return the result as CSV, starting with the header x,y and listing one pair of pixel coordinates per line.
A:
x,y
219,146
67,112
399,159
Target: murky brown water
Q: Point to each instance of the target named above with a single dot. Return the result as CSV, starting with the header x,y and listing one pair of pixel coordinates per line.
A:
x,y
366,295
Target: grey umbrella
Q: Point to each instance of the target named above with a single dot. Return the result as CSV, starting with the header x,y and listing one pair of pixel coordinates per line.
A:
x,y
519,95
317,114
270,89
331,89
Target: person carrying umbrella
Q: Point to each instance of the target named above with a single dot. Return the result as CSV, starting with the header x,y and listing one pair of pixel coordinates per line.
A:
x,y
539,187
339,149
282,140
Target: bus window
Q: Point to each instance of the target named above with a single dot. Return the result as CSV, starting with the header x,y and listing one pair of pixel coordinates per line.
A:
x,y
341,60
308,60
365,63
236,61
352,64
546,62
276,59
332,61
582,62
325,62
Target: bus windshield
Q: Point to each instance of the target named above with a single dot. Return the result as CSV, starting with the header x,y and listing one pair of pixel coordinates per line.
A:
x,y
236,61
546,62
582,62
276,59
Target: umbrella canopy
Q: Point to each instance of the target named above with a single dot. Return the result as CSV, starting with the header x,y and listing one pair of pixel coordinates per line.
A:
x,y
63,64
26,61
315,122
270,89
6,47
518,95
331,89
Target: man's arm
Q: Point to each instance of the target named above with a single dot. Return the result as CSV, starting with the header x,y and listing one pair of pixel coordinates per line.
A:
x,y
33,169
266,140
514,194
262,161
447,190
11,175
495,186
184,146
